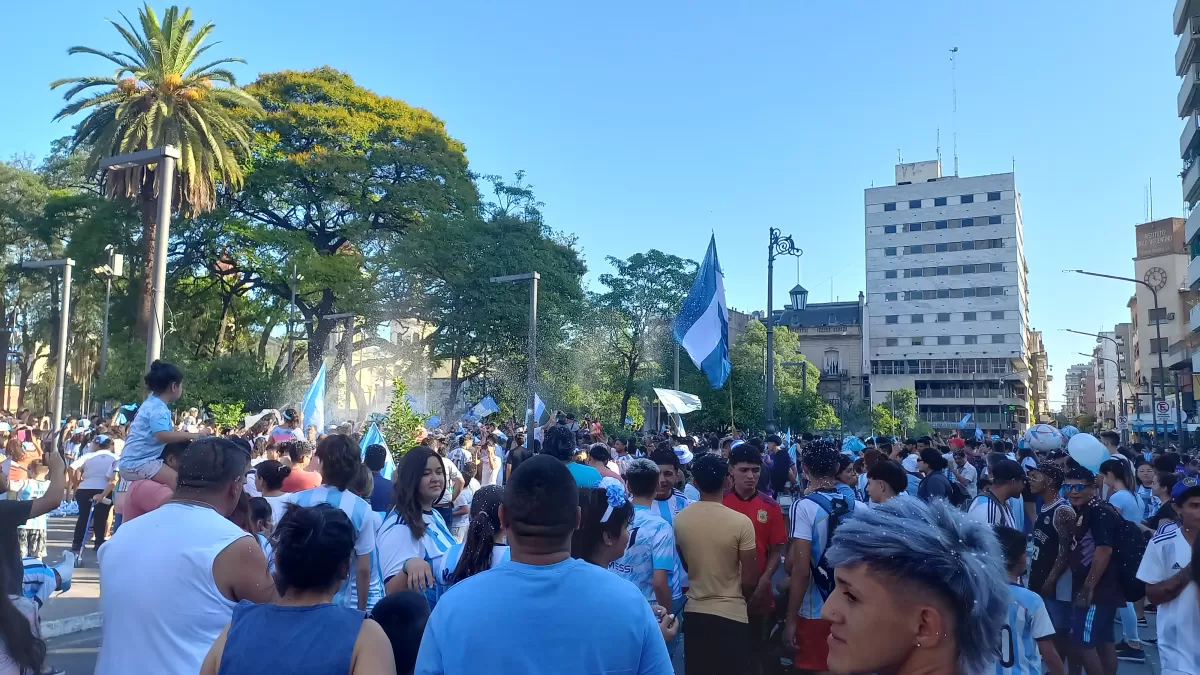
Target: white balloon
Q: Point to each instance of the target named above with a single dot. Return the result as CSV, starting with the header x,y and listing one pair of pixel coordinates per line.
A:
x,y
1044,438
1088,451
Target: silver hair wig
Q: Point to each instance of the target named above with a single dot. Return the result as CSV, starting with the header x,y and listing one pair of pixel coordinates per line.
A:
x,y
938,547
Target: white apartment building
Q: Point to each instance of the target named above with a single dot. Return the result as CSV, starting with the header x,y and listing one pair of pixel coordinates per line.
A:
x,y
1105,367
947,296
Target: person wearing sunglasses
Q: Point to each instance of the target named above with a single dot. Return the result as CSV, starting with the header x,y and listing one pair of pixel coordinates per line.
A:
x,y
1093,579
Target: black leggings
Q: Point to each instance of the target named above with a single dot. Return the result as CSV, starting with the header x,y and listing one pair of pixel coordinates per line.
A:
x,y
714,645
99,521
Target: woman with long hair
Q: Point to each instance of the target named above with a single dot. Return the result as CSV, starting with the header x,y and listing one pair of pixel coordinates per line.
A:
x,y
483,546
22,650
337,460
1118,478
314,549
414,538
604,516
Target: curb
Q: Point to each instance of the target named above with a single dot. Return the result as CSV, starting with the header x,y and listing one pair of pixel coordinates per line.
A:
x,y
71,624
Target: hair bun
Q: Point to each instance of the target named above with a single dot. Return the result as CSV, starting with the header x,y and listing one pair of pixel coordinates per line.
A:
x,y
285,471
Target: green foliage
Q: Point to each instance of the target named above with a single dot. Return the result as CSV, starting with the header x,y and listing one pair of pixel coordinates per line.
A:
x,y
402,424
882,421
904,403
227,415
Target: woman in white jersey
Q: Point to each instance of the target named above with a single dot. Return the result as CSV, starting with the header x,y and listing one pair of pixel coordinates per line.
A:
x,y
414,539
483,546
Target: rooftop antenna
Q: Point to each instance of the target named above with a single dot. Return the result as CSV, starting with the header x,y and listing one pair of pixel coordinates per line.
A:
x,y
939,147
954,102
1145,205
1151,198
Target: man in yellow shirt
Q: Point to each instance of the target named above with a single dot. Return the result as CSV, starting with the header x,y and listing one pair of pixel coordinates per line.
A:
x,y
717,546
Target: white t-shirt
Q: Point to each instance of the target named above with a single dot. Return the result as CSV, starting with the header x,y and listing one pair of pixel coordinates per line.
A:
x,y
278,506
810,522
490,468
452,474
1179,619
396,544
95,467
972,477
464,499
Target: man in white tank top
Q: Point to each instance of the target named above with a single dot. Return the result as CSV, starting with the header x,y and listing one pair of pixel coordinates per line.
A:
x,y
169,579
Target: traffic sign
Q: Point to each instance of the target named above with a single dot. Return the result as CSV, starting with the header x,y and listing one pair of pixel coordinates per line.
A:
x,y
1164,410
1122,423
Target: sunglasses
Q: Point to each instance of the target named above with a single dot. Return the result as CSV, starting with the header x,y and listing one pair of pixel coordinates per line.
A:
x,y
1075,488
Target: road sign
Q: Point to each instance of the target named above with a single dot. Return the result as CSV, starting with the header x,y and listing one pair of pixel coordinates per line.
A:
x,y
1122,423
1164,410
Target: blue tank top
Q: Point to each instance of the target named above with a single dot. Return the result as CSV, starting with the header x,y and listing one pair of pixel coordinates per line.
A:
x,y
282,638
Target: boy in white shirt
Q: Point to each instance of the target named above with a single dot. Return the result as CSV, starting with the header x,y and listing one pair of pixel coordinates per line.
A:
x,y
462,503
1167,570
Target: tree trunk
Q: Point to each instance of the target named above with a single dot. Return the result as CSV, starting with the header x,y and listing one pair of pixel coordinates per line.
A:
x,y
149,212
625,396
4,342
265,339
226,299
455,383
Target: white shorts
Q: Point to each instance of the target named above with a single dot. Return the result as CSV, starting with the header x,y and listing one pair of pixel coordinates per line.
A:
x,y
145,471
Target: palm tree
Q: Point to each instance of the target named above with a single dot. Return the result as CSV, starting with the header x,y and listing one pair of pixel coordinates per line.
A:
x,y
157,97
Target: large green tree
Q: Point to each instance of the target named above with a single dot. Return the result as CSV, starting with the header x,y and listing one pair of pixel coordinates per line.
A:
x,y
634,314
159,95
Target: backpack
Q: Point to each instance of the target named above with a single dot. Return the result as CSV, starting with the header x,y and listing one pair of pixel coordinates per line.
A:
x,y
837,508
1129,545
958,496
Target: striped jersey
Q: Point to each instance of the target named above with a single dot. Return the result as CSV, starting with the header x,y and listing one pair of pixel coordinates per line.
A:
x,y
666,509
1028,622
397,545
987,509
651,547
810,522
26,490
1178,620
366,525
38,581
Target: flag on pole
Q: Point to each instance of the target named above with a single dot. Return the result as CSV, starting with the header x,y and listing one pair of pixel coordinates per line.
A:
x,y
313,407
978,434
533,420
702,327
375,436
539,409
677,402
484,408
962,424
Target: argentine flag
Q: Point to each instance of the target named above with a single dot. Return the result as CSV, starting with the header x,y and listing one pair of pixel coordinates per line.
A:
x,y
313,407
702,327
373,436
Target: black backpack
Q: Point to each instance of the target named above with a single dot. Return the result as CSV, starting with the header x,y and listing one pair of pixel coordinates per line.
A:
x,y
1129,545
837,506
958,493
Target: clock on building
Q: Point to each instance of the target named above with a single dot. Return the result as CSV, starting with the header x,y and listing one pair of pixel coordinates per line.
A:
x,y
1156,278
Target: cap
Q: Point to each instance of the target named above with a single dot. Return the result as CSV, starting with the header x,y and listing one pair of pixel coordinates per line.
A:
x,y
683,453
1185,485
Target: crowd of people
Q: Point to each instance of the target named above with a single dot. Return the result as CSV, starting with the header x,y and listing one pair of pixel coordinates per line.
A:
x,y
489,550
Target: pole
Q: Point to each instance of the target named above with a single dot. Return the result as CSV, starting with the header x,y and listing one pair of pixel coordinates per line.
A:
x,y
770,361
532,357
166,188
676,366
291,339
60,368
1183,444
348,350
1121,399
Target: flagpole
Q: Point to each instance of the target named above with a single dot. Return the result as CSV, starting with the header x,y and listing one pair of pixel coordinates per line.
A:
x,y
732,426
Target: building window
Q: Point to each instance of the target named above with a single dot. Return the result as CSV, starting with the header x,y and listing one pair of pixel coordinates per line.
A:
x,y
941,248
968,246
943,317
892,318
997,243
983,292
890,206
997,267
914,203
943,271
971,340
890,274
941,225
993,220
832,358
939,201
997,316
967,199
890,297
913,250
993,196
1157,345
918,318
917,342
913,227
968,292
913,295
997,290
893,342
943,293
943,339
890,250
889,229
997,339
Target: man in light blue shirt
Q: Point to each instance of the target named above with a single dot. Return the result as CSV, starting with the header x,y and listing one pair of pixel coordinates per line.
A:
x,y
545,584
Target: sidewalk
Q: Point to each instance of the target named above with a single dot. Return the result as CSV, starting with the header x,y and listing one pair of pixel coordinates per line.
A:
x,y
79,608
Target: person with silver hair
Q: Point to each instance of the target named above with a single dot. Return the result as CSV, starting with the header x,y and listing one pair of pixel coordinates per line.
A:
x,y
920,588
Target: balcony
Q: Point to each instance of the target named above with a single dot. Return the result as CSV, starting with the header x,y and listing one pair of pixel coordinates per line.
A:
x,y
1193,279
1194,314
1190,139
1184,10
1187,53
1192,227
1191,184
1189,91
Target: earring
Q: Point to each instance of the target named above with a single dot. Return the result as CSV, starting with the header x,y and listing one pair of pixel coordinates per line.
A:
x,y
918,643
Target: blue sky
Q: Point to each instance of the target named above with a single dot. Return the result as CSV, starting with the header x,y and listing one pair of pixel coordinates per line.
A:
x,y
651,124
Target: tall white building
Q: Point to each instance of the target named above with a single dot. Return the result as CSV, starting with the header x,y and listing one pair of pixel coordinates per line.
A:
x,y
1105,367
947,296
1074,404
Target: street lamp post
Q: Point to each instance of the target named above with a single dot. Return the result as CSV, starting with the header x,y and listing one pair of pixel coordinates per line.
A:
x,y
1120,379
779,245
1120,372
531,375
165,158
64,311
115,267
1162,384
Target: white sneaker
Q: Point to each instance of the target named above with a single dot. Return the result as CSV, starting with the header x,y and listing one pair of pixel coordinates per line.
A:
x,y
64,570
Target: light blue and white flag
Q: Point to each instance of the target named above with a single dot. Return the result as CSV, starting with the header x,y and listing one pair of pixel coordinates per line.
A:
x,y
375,436
978,434
484,408
962,424
313,407
533,420
539,409
702,327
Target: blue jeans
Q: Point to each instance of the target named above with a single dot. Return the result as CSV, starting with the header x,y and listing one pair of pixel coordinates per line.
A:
x,y
1129,627
677,609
